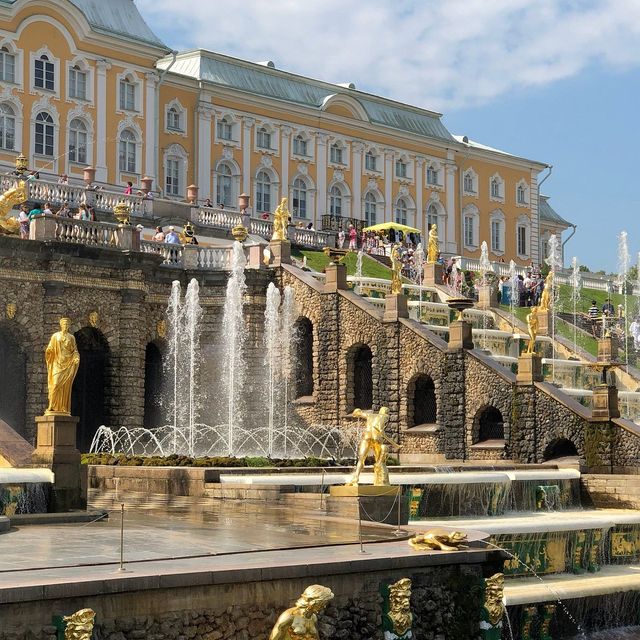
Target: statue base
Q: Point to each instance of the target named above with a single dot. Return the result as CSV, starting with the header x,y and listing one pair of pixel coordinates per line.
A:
x,y
544,322
529,369
487,296
395,307
56,450
432,273
335,277
280,252
368,503
605,403
460,335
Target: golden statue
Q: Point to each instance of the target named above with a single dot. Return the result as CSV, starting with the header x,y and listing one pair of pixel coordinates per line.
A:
x,y
438,539
8,200
433,248
396,270
300,622
400,614
493,594
545,298
532,329
281,221
373,442
80,625
63,360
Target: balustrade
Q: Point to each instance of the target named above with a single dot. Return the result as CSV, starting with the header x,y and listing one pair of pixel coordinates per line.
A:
x,y
89,233
171,253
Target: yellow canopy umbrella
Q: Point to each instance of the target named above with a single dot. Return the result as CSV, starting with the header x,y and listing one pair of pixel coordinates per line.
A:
x,y
386,226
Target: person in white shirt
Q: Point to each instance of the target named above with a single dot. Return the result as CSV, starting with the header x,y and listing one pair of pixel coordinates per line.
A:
x,y
47,209
172,237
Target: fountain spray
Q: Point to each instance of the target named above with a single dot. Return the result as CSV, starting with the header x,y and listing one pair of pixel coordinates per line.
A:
x,y
513,282
358,288
289,316
624,262
555,264
576,285
272,345
192,316
174,316
485,267
418,256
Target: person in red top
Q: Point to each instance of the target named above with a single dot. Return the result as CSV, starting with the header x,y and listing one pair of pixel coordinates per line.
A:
x,y
128,190
353,238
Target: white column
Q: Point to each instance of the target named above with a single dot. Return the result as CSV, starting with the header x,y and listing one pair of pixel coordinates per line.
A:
x,y
151,127
285,136
388,185
419,221
102,66
247,141
451,245
203,136
358,151
321,166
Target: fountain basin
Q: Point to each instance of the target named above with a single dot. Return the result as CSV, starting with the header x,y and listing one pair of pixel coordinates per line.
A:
x,y
25,491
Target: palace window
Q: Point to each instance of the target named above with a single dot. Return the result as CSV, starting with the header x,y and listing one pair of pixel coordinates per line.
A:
x,y
224,129
7,128
522,240
263,192
44,135
128,151
174,119
496,235
335,201
432,175
78,141
127,95
495,188
370,206
401,169
225,185
299,198
469,183
44,73
370,161
172,177
7,66
263,139
469,239
77,83
432,216
401,211
299,146
521,194
336,154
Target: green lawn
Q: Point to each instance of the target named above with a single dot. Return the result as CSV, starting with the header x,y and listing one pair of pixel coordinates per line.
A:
x,y
317,260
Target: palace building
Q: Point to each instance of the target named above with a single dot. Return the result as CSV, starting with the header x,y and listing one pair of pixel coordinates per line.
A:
x,y
88,83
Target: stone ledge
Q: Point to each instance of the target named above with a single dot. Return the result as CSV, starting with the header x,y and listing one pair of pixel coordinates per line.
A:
x,y
488,445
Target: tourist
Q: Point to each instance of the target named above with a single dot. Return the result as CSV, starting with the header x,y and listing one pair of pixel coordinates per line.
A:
x,y
84,213
221,206
207,203
607,308
128,190
172,237
340,238
353,238
47,209
245,218
593,313
36,211
63,179
23,219
310,227
527,286
64,211
158,236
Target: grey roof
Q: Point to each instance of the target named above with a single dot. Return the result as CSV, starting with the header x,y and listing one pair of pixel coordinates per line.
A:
x,y
272,83
116,17
548,213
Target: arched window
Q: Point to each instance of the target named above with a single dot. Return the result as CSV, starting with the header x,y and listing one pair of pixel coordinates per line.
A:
x,y
370,206
432,216
7,66
263,192
77,83
522,194
45,135
7,127
174,119
127,95
44,74
401,211
490,425
299,146
128,152
362,378
224,129
78,141
432,175
469,182
495,188
225,185
335,201
263,139
424,401
303,364
299,198
370,161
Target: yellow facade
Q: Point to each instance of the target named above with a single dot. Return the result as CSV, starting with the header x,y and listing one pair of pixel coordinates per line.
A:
x,y
129,107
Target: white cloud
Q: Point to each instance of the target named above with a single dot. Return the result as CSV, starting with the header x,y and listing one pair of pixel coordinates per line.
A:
x,y
438,54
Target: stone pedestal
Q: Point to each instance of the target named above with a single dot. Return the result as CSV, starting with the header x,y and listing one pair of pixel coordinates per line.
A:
x,y
255,256
335,278
190,254
432,273
544,322
395,307
529,369
605,403
487,296
373,504
280,252
43,228
56,450
460,335
607,351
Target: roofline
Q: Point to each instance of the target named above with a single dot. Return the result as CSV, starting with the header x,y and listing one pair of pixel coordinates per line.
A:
x,y
501,154
334,88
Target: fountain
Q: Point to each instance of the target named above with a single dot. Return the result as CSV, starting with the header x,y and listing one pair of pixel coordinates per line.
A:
x,y
419,258
554,261
272,357
358,288
576,284
623,272
515,292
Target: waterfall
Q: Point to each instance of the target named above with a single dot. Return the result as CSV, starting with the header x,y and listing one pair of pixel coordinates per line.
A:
x,y
272,345
287,337
174,331
192,313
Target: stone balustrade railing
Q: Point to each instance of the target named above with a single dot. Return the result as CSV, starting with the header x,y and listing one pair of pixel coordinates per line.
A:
x,y
171,253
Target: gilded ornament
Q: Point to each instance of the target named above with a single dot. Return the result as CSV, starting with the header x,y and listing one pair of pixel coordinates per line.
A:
x,y
438,539
161,328
11,310
545,298
80,625
63,360
493,598
300,621
94,318
373,441
433,248
8,200
396,270
281,221
532,329
400,614
240,233
122,212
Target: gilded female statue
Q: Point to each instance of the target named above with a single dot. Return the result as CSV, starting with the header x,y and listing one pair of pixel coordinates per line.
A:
x,y
532,329
396,270
433,248
62,359
281,221
300,622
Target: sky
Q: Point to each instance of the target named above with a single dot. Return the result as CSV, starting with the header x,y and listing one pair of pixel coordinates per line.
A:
x,y
552,80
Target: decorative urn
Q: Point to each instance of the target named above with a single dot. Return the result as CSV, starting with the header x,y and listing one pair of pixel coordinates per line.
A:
x,y
122,212
459,305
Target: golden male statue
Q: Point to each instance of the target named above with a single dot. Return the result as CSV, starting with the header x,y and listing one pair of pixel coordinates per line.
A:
x,y
63,360
545,298
400,615
281,221
372,441
396,270
532,329
433,248
300,622
80,625
8,200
